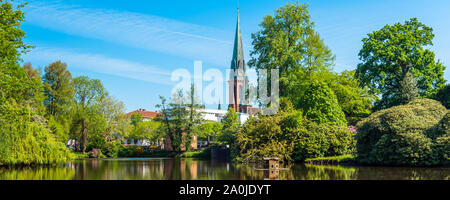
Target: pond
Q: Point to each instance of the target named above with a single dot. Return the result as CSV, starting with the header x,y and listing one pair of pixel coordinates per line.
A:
x,y
192,169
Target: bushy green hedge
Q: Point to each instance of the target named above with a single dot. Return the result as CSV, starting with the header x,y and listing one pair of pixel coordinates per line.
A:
x,y
412,134
24,139
290,136
320,104
320,140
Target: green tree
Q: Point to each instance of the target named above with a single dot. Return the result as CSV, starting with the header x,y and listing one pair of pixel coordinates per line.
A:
x,y
24,137
12,45
36,87
88,93
390,53
113,111
408,89
270,136
209,128
289,43
181,118
443,96
13,78
319,103
136,118
59,90
407,135
355,102
230,127
149,130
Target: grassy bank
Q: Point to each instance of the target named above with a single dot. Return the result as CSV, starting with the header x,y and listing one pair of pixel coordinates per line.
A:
x,y
195,154
344,159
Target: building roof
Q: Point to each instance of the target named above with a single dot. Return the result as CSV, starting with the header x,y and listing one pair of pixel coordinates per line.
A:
x,y
238,62
144,113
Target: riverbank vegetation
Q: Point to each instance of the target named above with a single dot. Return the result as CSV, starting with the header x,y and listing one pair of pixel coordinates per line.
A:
x,y
319,108
381,113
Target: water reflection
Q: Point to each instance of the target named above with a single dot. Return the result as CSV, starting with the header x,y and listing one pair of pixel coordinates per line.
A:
x,y
190,169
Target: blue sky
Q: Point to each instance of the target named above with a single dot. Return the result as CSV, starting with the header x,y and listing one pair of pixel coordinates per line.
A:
x,y
133,46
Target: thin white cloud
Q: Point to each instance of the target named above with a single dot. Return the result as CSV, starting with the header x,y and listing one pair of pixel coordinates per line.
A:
x,y
102,64
134,29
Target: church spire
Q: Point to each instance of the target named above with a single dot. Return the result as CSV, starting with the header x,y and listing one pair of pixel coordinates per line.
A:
x,y
238,51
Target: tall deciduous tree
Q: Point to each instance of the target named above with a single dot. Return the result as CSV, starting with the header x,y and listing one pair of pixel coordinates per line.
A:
x,y
390,53
289,43
230,127
113,111
356,102
12,45
13,80
181,118
59,90
24,138
88,94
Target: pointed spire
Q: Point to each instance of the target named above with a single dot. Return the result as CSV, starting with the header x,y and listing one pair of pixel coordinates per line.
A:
x,y
238,52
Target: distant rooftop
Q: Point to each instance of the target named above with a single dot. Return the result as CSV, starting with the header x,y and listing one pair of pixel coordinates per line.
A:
x,y
144,113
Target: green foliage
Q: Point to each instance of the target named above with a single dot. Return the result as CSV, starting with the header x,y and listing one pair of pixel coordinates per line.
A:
x,y
264,137
59,90
136,118
390,53
58,130
205,154
289,43
24,135
230,127
289,136
408,89
319,103
24,141
11,36
88,94
355,102
209,128
150,130
181,118
334,159
319,140
443,96
401,135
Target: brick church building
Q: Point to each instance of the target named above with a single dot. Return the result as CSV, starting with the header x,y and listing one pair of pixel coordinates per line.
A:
x,y
238,82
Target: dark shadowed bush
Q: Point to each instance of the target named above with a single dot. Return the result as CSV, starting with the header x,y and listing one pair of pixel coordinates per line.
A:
x,y
443,96
402,135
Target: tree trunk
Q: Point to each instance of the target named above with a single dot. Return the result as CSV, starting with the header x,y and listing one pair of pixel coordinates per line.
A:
x,y
84,135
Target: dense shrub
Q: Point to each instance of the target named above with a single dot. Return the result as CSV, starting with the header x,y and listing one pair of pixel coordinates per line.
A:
x,y
319,140
320,104
111,149
270,136
443,96
24,139
402,135
289,136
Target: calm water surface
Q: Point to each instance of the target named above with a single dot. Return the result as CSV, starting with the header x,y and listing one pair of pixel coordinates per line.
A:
x,y
191,169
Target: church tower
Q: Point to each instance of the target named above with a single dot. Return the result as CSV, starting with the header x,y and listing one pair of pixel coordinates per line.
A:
x,y
238,82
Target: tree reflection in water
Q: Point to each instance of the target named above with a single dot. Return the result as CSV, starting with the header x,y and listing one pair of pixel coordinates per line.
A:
x,y
191,169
